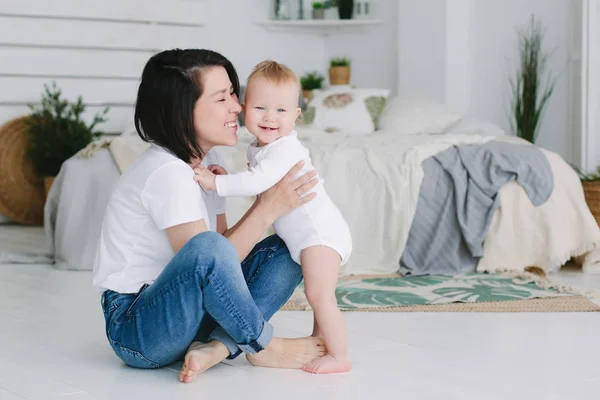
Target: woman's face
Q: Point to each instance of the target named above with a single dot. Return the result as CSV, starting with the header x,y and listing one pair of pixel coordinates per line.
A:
x,y
215,112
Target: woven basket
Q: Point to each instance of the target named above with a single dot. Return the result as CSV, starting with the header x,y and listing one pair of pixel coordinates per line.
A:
x,y
591,189
21,189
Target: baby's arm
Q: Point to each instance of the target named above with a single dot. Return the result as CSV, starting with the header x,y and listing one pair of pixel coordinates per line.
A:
x,y
206,176
257,179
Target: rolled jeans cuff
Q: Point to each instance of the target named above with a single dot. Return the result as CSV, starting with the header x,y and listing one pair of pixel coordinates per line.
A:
x,y
253,347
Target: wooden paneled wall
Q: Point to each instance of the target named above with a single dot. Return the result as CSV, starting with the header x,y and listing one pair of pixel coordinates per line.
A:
x,y
96,49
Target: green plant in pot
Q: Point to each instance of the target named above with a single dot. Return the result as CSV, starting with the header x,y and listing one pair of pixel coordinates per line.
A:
x,y
339,71
58,132
345,8
531,88
318,10
309,82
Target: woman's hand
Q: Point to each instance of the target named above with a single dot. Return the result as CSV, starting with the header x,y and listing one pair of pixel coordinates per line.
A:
x,y
287,194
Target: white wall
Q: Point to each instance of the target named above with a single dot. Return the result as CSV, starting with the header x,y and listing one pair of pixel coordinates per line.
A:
x,y
589,93
462,53
98,49
422,47
495,59
594,126
373,52
232,31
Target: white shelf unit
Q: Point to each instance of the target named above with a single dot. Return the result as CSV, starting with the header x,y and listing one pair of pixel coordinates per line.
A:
x,y
322,27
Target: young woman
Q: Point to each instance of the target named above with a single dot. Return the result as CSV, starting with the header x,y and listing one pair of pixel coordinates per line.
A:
x,y
176,281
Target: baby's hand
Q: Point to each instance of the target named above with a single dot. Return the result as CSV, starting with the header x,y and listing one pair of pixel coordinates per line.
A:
x,y
205,178
217,169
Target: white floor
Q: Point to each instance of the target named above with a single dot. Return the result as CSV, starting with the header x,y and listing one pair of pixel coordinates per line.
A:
x,y
52,346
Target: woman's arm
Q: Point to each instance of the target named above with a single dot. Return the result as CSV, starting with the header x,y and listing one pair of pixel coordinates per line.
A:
x,y
272,204
180,234
221,223
247,231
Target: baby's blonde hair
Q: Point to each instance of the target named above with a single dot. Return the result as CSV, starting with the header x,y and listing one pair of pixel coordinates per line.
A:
x,y
274,72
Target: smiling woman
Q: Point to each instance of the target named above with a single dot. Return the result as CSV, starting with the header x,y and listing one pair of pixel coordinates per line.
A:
x,y
190,112
218,123
174,285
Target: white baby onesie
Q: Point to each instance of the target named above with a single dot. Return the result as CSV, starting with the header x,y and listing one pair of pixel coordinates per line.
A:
x,y
318,222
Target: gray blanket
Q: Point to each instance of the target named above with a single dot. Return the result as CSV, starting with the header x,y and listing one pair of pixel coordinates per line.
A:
x,y
457,200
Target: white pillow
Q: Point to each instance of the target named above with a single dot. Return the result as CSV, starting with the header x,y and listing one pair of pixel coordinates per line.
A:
x,y
347,110
415,114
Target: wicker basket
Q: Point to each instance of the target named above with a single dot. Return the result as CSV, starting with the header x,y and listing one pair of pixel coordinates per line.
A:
x,y
21,188
591,189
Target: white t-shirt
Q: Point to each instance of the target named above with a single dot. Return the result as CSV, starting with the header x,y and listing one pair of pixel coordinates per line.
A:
x,y
156,192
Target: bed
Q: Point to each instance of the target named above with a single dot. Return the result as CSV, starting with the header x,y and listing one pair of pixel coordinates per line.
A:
x,y
374,179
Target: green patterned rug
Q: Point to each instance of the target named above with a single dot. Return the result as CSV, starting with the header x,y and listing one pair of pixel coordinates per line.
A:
x,y
470,292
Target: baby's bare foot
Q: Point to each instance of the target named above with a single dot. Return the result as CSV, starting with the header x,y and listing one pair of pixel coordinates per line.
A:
x,y
200,357
328,365
288,353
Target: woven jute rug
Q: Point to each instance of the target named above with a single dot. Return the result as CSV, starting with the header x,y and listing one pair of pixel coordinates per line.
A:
x,y
463,293
551,304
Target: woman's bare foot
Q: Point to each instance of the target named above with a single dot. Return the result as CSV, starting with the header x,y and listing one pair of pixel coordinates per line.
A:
x,y
288,353
327,365
200,357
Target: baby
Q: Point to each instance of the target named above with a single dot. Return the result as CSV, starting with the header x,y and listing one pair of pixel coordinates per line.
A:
x,y
316,233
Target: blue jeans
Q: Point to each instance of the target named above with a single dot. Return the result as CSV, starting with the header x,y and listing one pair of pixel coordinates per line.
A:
x,y
203,294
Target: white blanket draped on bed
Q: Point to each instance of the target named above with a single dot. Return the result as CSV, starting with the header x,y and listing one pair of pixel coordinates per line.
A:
x,y
547,236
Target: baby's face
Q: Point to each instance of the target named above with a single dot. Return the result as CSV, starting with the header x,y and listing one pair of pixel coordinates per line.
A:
x,y
270,109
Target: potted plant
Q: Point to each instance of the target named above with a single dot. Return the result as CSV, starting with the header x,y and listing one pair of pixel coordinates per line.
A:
x,y
318,10
331,10
309,82
345,8
58,132
529,93
339,71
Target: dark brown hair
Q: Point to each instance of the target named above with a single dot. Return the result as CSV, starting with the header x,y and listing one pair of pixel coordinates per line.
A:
x,y
170,86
